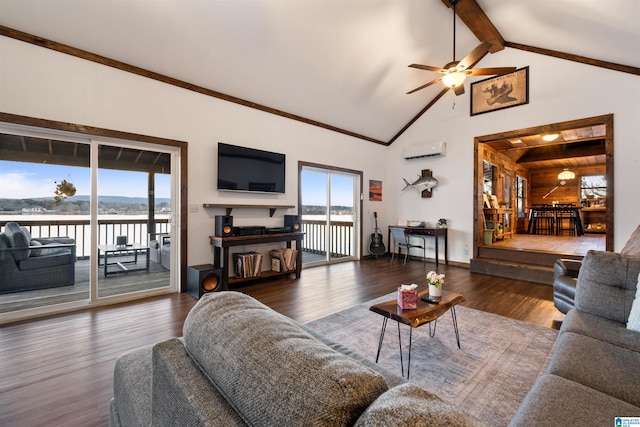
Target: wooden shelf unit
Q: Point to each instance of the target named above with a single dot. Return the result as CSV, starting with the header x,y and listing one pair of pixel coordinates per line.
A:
x,y
229,207
221,254
500,216
592,217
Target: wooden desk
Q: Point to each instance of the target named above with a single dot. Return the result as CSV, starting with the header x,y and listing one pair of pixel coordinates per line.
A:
x,y
221,247
424,232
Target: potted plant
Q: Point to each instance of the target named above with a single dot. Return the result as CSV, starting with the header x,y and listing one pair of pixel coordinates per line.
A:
x,y
435,281
63,190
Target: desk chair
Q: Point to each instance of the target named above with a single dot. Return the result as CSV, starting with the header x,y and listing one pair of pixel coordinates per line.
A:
x,y
401,240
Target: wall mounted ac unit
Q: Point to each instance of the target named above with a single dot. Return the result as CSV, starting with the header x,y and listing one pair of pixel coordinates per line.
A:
x,y
425,150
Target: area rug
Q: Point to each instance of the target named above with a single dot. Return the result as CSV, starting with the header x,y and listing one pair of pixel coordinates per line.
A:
x,y
498,362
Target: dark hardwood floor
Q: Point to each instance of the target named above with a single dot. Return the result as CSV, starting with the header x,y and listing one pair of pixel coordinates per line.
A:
x,y
58,371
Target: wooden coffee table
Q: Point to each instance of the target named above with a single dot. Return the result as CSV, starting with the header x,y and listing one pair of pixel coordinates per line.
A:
x,y
425,313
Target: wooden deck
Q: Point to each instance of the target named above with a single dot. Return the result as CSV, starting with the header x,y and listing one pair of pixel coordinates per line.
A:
x,y
157,277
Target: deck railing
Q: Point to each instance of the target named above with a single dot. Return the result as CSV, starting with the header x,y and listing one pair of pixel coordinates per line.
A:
x,y
342,233
79,229
342,237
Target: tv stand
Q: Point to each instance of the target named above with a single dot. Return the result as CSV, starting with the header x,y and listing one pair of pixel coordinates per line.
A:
x,y
221,255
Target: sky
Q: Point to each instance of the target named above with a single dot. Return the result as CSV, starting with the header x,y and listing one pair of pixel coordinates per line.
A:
x,y
314,189
19,180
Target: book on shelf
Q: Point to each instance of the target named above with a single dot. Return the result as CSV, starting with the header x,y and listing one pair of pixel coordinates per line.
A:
x,y
283,259
247,264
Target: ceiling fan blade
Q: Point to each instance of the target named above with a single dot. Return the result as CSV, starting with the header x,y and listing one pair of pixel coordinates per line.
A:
x,y
428,68
475,55
432,82
491,71
458,90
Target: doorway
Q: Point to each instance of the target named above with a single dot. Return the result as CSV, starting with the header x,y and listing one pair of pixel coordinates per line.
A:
x,y
580,142
330,206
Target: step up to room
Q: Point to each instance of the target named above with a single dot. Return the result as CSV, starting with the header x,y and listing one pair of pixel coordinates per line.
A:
x,y
519,264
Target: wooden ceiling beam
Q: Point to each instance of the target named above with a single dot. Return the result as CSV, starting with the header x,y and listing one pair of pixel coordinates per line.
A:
x,y
575,58
470,12
558,152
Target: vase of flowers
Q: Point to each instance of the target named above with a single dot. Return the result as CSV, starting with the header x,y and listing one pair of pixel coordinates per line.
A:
x,y
435,281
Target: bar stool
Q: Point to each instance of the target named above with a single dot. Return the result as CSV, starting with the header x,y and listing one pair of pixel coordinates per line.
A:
x,y
543,219
566,219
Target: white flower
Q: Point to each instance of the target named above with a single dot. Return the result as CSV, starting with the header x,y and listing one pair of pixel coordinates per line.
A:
x,y
435,279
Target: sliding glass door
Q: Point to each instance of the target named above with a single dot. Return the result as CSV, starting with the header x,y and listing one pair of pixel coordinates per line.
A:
x,y
96,219
330,214
134,208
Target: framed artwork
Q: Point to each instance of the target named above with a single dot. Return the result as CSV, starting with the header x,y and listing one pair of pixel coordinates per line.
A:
x,y
497,93
494,201
375,190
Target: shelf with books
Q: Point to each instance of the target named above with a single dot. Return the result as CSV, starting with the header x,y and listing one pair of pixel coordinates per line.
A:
x,y
222,256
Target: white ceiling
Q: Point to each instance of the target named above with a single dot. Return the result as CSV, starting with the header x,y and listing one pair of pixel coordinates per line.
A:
x,y
339,62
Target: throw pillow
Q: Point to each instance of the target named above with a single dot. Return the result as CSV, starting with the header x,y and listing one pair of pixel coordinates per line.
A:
x,y
634,317
410,405
632,247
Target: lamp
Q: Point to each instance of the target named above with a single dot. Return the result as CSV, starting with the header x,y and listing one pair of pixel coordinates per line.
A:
x,y
454,78
566,174
550,137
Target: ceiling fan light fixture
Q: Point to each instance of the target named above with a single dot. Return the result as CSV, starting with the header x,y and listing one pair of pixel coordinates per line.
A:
x,y
454,79
550,137
566,175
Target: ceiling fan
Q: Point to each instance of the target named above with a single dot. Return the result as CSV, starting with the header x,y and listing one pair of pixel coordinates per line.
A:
x,y
455,72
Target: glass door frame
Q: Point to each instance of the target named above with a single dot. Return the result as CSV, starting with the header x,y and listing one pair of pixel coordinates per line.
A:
x,y
357,206
12,123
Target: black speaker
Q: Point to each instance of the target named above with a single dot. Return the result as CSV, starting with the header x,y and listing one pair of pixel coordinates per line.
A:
x,y
292,223
224,225
202,279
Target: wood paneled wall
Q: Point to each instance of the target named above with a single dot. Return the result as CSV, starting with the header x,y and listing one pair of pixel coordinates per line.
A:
x,y
544,180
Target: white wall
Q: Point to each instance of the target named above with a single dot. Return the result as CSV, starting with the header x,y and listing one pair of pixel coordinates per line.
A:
x,y
45,84
558,91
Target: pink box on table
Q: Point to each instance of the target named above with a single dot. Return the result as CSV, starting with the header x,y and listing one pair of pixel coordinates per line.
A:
x,y
407,299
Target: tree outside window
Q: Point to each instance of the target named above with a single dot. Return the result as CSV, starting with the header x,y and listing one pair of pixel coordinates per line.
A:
x,y
593,187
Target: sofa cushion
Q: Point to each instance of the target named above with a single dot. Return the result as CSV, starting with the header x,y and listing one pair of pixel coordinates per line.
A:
x,y
19,239
599,365
410,405
554,401
182,394
132,387
270,370
47,249
601,329
607,284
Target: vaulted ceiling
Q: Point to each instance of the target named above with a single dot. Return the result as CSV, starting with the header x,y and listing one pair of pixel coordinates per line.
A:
x,y
341,65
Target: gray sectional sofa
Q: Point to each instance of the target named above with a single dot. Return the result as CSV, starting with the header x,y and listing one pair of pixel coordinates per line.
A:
x,y
594,373
240,363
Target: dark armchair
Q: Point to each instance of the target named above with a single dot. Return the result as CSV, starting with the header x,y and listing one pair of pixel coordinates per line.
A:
x,y
28,264
565,273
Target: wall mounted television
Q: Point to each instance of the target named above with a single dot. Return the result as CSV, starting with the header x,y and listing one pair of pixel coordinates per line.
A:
x,y
250,169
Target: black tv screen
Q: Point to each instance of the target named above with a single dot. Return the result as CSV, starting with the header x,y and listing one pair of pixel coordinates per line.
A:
x,y
249,169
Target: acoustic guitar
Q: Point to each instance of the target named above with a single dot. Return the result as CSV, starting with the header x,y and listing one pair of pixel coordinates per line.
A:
x,y
376,247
